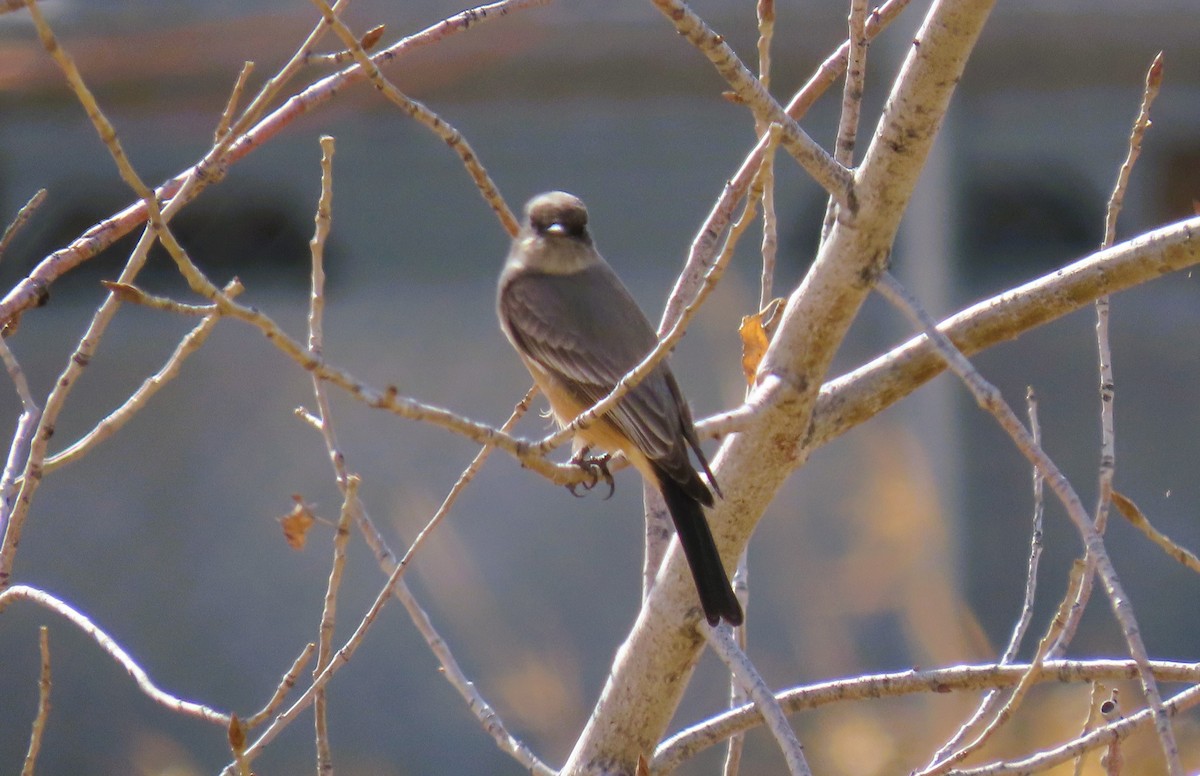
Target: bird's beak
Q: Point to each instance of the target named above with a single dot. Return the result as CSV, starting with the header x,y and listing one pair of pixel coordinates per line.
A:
x,y
556,229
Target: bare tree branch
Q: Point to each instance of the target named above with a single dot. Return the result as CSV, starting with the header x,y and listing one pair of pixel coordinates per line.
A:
x,y
114,650
746,675
1108,454
237,145
652,667
1097,559
43,710
687,743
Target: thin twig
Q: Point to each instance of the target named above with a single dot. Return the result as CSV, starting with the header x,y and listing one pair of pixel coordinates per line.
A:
x,y
348,483
187,346
1154,78
243,138
43,709
344,654
323,221
687,743
231,104
993,698
1103,736
24,455
1104,350
739,695
32,470
26,426
283,688
770,236
1089,723
816,161
113,650
323,224
705,245
1110,711
450,669
1035,539
21,219
722,642
328,617
852,96
418,111
1130,511
1017,694
658,538
479,707
368,41
989,398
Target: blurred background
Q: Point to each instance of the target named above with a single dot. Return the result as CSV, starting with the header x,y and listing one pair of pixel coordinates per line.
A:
x,y
901,544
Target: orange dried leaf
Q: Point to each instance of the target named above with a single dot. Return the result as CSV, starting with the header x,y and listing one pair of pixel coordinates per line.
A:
x,y
754,344
297,523
123,291
237,734
371,37
1128,509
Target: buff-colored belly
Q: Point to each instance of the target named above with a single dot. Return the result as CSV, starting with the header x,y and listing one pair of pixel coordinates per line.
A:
x,y
601,434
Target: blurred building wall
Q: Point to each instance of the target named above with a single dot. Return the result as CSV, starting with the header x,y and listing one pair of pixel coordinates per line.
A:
x,y
167,537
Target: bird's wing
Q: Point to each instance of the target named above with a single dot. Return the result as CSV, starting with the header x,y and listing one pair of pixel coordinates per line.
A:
x,y
586,330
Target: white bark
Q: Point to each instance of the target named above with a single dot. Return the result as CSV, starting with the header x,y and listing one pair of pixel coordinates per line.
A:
x,y
653,666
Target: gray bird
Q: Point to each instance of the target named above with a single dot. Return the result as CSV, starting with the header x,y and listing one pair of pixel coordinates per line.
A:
x,y
579,331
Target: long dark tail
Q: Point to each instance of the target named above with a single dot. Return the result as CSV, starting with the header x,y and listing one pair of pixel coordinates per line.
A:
x,y
712,583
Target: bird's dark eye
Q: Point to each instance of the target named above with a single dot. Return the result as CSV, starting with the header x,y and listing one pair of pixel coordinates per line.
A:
x,y
564,224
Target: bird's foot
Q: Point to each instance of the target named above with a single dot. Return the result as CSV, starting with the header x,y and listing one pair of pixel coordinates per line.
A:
x,y
596,467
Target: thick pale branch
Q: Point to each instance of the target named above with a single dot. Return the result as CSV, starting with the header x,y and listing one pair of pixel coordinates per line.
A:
x,y
859,395
705,245
654,664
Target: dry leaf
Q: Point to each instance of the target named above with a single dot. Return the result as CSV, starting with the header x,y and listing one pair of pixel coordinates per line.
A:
x,y
754,344
371,37
297,523
237,734
1128,509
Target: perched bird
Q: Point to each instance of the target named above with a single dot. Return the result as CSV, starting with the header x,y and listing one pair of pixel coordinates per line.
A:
x,y
579,331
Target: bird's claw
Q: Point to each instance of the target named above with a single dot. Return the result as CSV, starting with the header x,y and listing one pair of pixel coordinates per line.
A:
x,y
596,466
